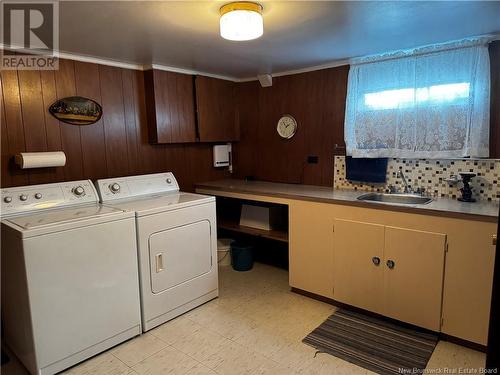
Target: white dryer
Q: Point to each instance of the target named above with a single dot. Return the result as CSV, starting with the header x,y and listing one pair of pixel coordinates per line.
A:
x,y
176,242
70,287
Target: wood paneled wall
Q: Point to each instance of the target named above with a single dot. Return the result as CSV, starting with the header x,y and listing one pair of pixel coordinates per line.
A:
x,y
495,99
317,101
117,145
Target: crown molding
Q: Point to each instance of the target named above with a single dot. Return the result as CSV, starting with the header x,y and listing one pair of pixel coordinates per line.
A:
x,y
188,71
82,58
332,64
125,65
100,61
336,63
135,66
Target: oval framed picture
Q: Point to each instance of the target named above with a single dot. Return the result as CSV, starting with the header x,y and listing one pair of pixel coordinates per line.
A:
x,y
76,110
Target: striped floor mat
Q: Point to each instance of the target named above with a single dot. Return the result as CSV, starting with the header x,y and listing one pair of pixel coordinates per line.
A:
x,y
374,344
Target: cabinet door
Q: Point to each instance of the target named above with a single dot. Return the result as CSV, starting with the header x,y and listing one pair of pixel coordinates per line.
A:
x,y
311,247
215,104
170,107
414,285
358,279
468,280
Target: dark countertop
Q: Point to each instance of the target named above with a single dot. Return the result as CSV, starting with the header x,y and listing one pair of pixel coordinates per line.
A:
x,y
481,210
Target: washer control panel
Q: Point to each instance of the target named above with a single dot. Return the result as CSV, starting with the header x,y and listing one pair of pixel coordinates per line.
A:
x,y
38,197
135,186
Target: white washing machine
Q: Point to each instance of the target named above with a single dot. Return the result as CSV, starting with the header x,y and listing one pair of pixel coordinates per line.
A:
x,y
176,242
70,287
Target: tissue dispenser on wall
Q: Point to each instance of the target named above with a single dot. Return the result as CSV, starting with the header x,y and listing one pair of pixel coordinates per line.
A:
x,y
27,160
222,155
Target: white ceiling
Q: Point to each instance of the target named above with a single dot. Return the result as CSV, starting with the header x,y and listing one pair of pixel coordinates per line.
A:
x,y
297,34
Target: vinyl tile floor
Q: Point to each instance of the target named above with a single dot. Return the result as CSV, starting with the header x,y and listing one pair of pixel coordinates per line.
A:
x,y
254,327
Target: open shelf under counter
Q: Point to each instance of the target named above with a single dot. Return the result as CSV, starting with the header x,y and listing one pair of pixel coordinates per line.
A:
x,y
276,235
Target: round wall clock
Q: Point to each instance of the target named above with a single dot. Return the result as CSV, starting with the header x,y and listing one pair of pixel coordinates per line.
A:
x,y
287,126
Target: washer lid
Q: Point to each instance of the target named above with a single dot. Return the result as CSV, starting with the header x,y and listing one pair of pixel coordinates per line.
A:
x,y
60,216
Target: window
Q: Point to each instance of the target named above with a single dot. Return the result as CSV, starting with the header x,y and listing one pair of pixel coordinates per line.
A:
x,y
433,105
451,93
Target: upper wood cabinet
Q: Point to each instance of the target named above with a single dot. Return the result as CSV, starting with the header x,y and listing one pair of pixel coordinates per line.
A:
x,y
216,106
170,107
182,108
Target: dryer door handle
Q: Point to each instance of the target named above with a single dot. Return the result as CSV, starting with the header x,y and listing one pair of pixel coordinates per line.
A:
x,y
159,262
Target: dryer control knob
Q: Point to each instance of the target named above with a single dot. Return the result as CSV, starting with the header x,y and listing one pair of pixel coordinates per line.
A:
x,y
38,196
78,191
115,188
23,197
7,199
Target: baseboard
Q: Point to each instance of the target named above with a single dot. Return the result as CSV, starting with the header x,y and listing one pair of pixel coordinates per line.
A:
x,y
462,342
442,336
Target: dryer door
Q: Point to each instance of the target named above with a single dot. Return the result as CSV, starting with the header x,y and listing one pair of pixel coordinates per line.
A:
x,y
179,254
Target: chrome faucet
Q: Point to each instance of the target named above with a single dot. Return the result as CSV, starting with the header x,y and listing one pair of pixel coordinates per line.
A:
x,y
407,188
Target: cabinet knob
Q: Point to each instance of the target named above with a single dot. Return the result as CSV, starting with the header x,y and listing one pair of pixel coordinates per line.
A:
x,y
390,264
376,260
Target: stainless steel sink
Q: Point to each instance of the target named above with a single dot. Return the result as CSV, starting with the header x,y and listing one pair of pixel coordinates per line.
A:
x,y
395,198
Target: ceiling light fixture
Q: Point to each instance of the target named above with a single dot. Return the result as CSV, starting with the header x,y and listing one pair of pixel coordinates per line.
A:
x,y
241,20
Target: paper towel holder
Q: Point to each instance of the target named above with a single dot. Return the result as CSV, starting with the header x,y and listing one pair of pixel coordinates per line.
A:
x,y
27,160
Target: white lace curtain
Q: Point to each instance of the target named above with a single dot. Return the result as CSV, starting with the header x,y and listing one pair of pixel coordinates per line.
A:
x,y
430,104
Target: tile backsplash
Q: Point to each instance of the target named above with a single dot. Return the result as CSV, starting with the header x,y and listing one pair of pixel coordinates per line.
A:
x,y
431,175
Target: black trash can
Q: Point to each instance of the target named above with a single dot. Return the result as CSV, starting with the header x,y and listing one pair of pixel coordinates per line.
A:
x,y
241,256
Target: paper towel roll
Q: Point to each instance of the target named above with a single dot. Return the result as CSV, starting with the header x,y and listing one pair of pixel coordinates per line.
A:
x,y
41,159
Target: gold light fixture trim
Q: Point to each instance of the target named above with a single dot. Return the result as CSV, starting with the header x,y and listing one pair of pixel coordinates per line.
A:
x,y
241,5
241,20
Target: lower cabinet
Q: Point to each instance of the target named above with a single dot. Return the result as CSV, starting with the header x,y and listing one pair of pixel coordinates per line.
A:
x,y
430,271
358,274
311,247
392,271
